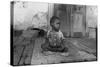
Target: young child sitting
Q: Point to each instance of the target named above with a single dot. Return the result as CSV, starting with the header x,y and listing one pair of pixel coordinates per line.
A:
x,y
55,39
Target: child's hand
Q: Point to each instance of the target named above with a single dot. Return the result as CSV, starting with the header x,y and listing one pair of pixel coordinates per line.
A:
x,y
62,40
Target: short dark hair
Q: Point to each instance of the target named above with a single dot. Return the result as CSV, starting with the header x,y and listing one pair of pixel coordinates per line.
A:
x,y
52,20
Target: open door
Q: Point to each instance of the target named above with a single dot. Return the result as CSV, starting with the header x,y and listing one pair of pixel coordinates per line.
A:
x,y
77,26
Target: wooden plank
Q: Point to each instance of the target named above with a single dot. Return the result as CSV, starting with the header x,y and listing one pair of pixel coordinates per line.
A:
x,y
17,54
27,54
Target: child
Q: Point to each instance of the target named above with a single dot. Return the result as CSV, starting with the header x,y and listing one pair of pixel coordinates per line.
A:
x,y
55,39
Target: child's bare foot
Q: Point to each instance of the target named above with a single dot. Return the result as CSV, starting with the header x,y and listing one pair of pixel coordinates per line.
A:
x,y
65,54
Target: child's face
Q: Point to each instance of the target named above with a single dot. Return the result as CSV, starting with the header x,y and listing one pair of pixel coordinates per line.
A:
x,y
56,25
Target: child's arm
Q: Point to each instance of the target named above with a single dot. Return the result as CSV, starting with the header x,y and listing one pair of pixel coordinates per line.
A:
x,y
63,39
61,35
47,37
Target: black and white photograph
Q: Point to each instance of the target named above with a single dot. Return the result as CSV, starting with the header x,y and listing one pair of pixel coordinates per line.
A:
x,y
52,33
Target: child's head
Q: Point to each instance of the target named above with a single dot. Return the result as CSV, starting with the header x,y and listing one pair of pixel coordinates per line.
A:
x,y
55,23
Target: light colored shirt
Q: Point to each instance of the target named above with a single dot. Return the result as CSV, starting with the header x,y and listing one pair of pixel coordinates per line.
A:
x,y
59,33
55,38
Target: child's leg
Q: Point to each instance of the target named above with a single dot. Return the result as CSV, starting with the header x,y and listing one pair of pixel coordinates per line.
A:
x,y
60,49
56,48
44,47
